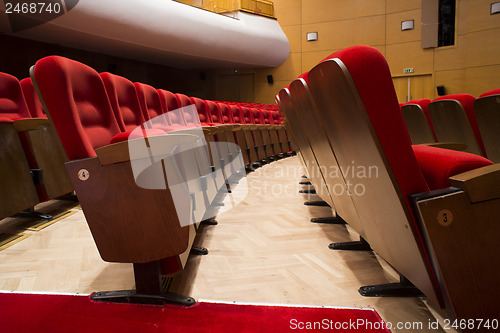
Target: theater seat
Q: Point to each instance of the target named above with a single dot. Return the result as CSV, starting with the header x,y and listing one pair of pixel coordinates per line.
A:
x,y
124,102
42,147
132,214
438,165
487,110
454,121
17,190
32,101
405,223
418,121
491,92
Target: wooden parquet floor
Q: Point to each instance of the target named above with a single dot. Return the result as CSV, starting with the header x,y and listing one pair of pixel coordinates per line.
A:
x,y
263,250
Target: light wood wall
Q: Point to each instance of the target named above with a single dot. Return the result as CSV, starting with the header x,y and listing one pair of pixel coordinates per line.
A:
x,y
471,66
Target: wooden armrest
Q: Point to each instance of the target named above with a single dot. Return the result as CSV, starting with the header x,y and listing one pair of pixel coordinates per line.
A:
x,y
459,146
142,148
479,184
29,124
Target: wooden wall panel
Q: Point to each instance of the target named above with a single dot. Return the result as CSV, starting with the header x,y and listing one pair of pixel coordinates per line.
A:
x,y
477,15
482,48
394,6
341,34
310,59
453,81
469,66
328,10
291,68
409,55
288,12
294,35
481,79
393,27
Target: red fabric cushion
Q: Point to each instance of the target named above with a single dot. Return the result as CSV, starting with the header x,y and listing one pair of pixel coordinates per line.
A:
x,y
227,115
12,103
237,115
6,120
277,117
201,107
491,92
215,112
168,100
257,116
32,101
247,115
124,102
367,66
467,102
77,103
124,136
149,100
438,165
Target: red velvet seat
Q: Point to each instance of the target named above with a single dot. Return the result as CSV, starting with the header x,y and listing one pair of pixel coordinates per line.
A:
x,y
124,102
190,114
129,223
454,120
415,230
201,108
491,92
17,190
214,111
418,121
438,165
42,147
32,101
487,111
236,114
226,114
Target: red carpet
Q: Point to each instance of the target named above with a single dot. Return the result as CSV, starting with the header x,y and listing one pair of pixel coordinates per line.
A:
x,y
62,313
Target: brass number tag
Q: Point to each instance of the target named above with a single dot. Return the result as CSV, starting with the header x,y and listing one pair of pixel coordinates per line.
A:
x,y
445,217
83,174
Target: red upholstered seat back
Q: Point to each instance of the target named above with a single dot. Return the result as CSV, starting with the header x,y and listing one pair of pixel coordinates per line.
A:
x,y
124,102
77,103
171,107
34,105
12,103
467,102
201,107
237,115
215,112
168,100
257,116
267,116
247,115
191,119
491,92
149,100
382,107
227,115
276,117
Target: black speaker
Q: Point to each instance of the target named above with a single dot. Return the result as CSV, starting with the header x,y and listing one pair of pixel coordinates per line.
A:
x,y
270,79
441,90
203,76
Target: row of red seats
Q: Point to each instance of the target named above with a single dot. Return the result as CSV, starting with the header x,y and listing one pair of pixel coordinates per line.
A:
x,y
427,211
32,156
272,107
149,165
457,118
